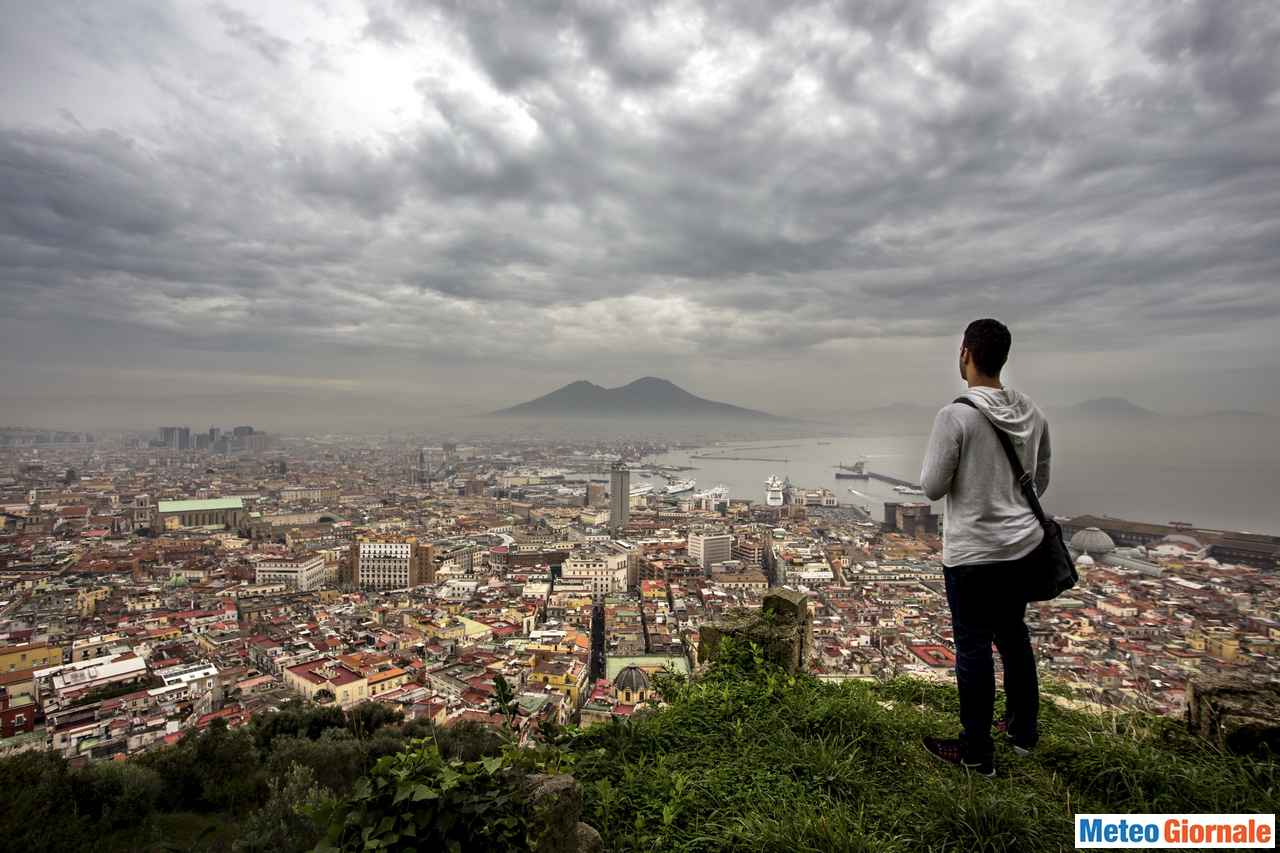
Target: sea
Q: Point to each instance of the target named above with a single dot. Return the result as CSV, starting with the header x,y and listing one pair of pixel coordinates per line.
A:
x,y
1222,474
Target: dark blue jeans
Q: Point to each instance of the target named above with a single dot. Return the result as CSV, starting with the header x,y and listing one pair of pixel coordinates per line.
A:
x,y
986,607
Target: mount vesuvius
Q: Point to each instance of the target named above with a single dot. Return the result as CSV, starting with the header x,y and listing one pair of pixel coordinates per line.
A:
x,y
647,397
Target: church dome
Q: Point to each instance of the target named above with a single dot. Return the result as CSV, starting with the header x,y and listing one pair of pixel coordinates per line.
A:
x,y
631,678
1084,560
1093,542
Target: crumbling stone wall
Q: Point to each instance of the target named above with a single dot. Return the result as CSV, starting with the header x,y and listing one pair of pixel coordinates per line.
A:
x,y
781,627
1237,713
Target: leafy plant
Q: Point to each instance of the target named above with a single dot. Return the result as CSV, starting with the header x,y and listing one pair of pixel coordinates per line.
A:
x,y
418,799
288,820
505,699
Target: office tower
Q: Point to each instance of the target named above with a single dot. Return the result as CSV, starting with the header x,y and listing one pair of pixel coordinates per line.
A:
x,y
391,562
710,548
619,496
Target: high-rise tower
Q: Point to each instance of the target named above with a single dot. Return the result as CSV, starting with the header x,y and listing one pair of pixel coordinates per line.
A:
x,y
619,496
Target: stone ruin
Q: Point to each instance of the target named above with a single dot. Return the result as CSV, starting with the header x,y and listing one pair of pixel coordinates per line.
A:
x,y
781,627
1239,714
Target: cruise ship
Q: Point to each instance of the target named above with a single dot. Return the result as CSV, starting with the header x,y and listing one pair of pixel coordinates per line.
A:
x,y
679,487
773,492
641,490
715,493
907,490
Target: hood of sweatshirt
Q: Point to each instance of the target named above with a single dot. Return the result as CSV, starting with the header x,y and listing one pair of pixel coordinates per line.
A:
x,y
1008,409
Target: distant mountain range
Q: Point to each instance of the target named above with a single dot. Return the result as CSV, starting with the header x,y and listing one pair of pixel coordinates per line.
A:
x,y
646,397
1099,408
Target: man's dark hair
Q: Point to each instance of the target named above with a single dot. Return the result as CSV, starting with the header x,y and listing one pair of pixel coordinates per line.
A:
x,y
988,342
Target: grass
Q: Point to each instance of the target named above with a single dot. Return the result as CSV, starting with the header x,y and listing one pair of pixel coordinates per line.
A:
x,y
758,760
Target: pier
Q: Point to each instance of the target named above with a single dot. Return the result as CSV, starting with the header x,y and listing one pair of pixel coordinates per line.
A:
x,y
893,481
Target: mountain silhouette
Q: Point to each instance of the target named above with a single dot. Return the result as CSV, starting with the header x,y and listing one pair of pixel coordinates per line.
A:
x,y
1110,407
646,397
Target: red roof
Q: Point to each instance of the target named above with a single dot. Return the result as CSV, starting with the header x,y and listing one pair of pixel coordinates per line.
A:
x,y
934,655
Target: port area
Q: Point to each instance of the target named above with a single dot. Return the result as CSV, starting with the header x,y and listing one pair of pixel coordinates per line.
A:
x,y
858,471
893,481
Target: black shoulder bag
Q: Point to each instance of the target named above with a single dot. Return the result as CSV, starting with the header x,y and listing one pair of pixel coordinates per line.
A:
x,y
1054,571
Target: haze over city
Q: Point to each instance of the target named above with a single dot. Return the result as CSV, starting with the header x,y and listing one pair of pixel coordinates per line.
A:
x,y
367,215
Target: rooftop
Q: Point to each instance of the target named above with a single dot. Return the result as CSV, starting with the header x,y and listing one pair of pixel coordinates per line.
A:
x,y
200,505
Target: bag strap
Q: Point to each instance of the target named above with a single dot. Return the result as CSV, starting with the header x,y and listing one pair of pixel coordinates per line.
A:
x,y
1024,479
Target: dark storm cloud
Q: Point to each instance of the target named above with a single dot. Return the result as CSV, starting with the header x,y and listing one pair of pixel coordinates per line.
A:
x,y
719,180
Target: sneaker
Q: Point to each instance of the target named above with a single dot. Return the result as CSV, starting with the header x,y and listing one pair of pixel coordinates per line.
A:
x,y
1002,726
951,752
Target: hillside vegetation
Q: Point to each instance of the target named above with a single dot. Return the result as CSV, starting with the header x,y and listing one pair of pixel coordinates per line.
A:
x,y
747,758
753,759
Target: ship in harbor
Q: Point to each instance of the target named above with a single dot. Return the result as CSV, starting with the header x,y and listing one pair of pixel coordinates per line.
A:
x,y
773,489
679,487
715,493
908,490
856,471
641,490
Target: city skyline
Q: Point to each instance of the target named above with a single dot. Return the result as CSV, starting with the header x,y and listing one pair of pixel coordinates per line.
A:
x,y
419,209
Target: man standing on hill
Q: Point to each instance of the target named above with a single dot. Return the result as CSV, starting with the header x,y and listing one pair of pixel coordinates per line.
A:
x,y
990,534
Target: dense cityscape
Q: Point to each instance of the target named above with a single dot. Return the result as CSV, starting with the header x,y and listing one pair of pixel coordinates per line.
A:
x,y
152,584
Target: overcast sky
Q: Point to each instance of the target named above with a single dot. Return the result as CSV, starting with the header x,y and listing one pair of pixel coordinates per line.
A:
x,y
218,211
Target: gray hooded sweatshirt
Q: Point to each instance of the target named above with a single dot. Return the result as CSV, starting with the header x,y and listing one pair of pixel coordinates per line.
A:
x,y
987,517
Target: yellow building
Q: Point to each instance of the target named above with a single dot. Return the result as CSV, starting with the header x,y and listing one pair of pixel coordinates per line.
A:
x,y
29,656
1222,646
87,600
387,680
568,677
347,686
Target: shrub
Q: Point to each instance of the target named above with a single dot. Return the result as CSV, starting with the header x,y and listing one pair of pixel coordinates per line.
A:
x,y
419,799
334,764
39,812
288,821
366,718
469,740
118,794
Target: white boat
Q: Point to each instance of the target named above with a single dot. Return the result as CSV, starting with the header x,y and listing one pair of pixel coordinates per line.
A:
x,y
907,490
715,493
773,492
678,487
641,490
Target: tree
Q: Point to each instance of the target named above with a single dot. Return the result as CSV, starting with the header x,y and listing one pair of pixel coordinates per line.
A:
x,y
367,717
39,812
335,764
228,764
505,698
118,793
285,822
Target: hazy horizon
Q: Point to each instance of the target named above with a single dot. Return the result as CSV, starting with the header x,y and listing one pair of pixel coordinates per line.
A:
x,y
232,409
